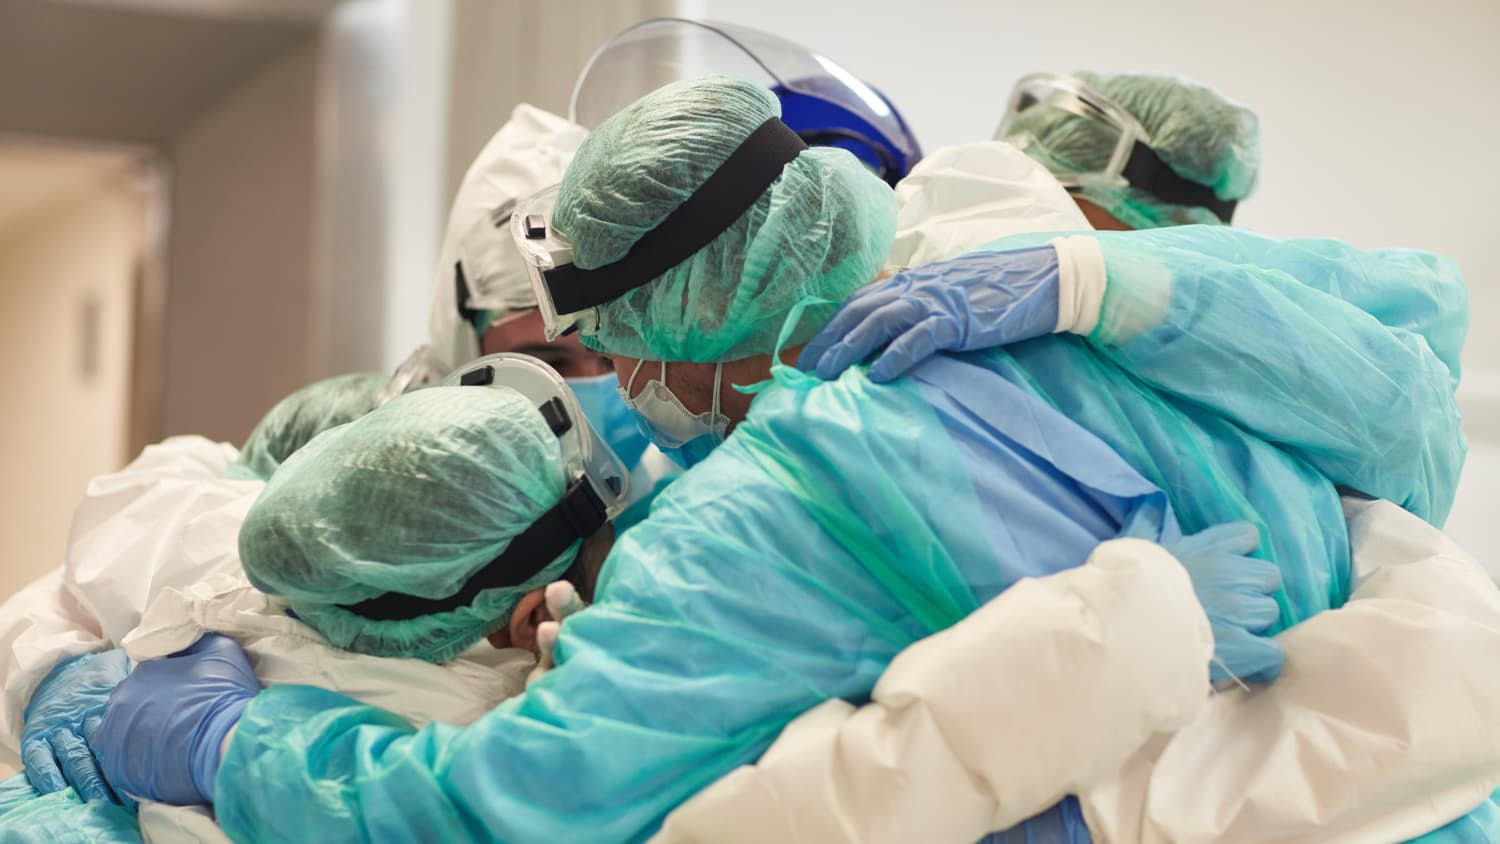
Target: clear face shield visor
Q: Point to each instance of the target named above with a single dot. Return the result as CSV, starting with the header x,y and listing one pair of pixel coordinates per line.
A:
x,y
823,101
1048,98
585,455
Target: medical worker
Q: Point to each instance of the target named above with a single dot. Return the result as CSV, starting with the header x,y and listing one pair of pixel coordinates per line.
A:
x,y
124,548
171,517
1189,308
137,533
963,196
487,462
1137,151
482,299
838,488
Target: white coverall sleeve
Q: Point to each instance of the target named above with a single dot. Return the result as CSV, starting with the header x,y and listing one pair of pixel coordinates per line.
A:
x,y
1047,687
39,625
1381,728
136,532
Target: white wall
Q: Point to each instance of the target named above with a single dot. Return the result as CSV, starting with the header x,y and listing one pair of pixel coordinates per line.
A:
x,y
66,404
1377,118
240,265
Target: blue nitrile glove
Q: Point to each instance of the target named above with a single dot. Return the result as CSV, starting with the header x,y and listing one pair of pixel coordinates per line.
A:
x,y
975,301
165,723
1236,592
60,722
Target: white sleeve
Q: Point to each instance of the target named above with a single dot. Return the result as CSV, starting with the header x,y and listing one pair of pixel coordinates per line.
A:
x,y
1381,728
1045,688
135,532
39,626
128,537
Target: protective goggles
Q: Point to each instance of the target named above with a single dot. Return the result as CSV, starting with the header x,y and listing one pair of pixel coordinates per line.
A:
x,y
597,488
569,296
1131,163
824,103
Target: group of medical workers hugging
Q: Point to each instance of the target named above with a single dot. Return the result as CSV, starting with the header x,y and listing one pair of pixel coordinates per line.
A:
x,y
741,497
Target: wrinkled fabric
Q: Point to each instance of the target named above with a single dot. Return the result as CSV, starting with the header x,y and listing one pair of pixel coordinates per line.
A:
x,y
1359,705
299,417
793,601
1346,358
823,228
1105,656
27,817
786,570
1382,420
148,527
414,498
962,197
1238,771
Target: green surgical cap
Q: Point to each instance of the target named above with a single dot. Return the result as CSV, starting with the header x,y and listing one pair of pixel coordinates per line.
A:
x,y
822,229
1202,136
299,417
413,498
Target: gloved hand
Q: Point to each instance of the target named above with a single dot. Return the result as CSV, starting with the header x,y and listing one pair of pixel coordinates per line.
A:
x,y
976,301
1236,592
166,723
562,601
57,742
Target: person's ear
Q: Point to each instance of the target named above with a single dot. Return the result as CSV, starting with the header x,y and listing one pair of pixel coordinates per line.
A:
x,y
529,613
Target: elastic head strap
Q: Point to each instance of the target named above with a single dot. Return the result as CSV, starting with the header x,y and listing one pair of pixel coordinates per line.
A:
x,y
1146,170
712,208
579,515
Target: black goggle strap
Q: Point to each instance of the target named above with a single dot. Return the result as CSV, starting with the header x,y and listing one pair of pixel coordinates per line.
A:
x,y
461,296
579,515
713,207
1145,170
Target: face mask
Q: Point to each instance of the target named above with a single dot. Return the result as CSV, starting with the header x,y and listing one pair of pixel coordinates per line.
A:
x,y
600,398
685,437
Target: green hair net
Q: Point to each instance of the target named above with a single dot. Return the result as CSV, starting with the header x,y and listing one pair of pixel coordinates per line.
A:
x,y
822,229
299,417
413,498
1202,136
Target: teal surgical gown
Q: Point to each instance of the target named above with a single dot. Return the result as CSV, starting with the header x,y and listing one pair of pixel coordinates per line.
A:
x,y
839,523
60,817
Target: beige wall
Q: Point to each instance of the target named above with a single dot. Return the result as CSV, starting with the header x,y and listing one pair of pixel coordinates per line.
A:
x,y
66,404
506,52
239,270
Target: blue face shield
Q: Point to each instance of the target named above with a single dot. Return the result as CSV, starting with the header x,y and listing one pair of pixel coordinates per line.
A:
x,y
600,398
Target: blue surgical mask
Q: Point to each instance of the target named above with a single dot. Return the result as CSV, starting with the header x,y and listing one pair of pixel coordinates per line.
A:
x,y
682,435
616,425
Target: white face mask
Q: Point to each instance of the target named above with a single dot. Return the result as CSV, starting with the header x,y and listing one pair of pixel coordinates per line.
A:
x,y
682,435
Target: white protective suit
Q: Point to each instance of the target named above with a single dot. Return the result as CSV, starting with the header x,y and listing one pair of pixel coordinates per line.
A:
x,y
137,532
126,543
530,152
1304,756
